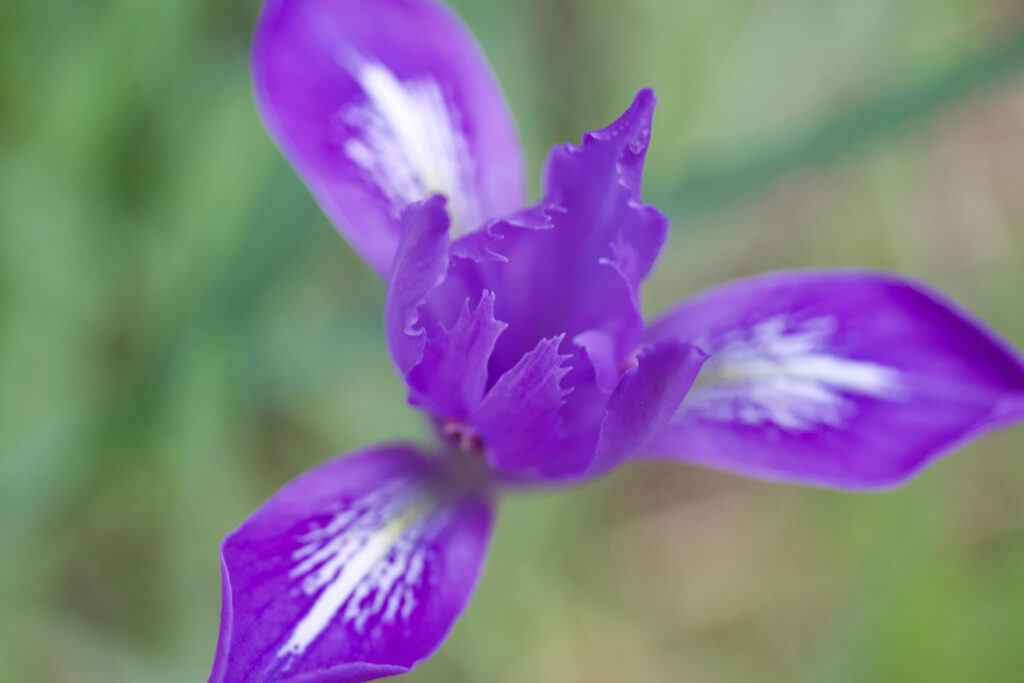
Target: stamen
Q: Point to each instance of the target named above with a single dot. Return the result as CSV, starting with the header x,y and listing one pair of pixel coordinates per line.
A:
x,y
632,360
463,435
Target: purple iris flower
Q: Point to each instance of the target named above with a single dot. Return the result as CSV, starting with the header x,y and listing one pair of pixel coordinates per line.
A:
x,y
520,336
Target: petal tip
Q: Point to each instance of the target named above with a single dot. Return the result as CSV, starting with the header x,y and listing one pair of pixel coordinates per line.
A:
x,y
433,203
1009,410
645,100
634,124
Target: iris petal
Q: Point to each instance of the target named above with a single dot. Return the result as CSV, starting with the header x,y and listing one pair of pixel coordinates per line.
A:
x,y
556,296
584,271
451,379
421,264
519,417
845,379
378,104
644,401
354,571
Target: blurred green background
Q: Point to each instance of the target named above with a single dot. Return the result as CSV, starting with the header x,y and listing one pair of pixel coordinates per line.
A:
x,y
181,332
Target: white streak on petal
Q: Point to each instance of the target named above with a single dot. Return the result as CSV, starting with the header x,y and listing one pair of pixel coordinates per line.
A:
x,y
364,563
787,374
410,143
338,591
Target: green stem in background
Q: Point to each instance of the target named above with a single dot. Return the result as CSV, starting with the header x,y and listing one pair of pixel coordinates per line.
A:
x,y
282,225
855,127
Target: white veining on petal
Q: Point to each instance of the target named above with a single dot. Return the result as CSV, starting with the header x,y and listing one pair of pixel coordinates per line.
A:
x,y
786,374
365,563
411,144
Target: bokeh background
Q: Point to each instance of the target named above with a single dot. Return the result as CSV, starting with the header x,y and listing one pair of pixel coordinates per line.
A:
x,y
182,332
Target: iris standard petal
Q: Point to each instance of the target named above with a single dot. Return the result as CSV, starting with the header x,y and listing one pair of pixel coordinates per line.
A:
x,y
354,571
581,270
598,186
845,379
378,104
451,378
519,420
556,321
421,264
513,420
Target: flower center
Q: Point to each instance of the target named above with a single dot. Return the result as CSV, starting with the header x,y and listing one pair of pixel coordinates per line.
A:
x,y
462,435
631,361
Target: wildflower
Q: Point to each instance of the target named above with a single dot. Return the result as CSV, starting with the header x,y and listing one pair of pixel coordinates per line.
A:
x,y
519,334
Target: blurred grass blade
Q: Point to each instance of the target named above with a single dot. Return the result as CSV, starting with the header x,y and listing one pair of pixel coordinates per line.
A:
x,y
851,129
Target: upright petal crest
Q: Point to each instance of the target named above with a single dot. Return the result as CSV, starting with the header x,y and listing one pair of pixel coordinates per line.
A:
x,y
540,309
421,264
581,274
378,104
354,571
846,379
519,417
451,379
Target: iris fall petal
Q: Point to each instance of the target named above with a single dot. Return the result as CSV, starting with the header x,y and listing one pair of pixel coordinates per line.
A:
x,y
354,571
845,379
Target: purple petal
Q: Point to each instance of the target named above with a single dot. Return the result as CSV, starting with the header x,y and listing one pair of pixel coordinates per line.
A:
x,y
598,185
578,271
354,571
1008,411
519,419
645,399
451,379
569,268
603,353
420,265
378,104
844,379
445,359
